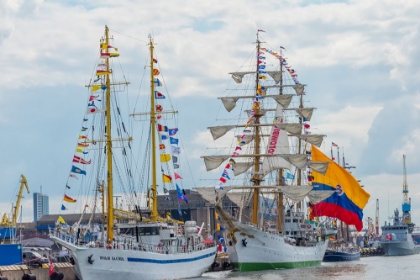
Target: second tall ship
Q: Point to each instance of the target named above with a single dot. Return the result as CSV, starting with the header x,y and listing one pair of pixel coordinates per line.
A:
x,y
268,170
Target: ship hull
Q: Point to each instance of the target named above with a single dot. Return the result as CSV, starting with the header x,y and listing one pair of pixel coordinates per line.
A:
x,y
336,256
265,251
130,264
400,248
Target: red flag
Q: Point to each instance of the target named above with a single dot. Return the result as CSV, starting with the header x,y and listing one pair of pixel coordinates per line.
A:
x,y
80,160
51,267
177,176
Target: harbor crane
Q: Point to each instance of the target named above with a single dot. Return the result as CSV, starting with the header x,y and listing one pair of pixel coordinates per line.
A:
x,y
5,220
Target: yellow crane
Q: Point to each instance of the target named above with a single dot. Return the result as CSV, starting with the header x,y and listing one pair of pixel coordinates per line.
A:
x,y
5,221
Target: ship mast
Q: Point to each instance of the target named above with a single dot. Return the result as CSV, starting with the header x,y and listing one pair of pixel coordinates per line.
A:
x,y
280,194
153,189
256,178
110,210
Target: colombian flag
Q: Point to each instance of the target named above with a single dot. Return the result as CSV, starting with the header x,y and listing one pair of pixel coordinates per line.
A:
x,y
349,199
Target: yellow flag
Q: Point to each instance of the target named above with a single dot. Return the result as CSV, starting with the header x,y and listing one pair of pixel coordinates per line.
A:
x,y
95,87
166,178
61,220
114,54
79,151
165,157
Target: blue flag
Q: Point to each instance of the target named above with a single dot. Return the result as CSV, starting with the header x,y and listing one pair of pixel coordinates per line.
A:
x,y
173,131
173,140
63,207
77,170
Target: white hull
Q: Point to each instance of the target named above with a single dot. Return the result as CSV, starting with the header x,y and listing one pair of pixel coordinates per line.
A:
x,y
131,264
270,251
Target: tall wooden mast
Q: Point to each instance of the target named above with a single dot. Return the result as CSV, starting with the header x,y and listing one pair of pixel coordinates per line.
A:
x,y
110,204
256,177
153,189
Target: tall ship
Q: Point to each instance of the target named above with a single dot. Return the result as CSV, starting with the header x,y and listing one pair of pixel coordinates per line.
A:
x,y
397,238
132,241
268,168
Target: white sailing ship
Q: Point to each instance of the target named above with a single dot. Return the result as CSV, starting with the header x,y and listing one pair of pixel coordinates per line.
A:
x,y
269,159
132,245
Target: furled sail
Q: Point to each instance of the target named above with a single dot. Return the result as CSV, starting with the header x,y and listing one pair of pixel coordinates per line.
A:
x,y
315,139
212,162
219,131
237,76
229,102
295,193
305,112
208,193
278,144
318,196
241,167
319,166
276,75
284,99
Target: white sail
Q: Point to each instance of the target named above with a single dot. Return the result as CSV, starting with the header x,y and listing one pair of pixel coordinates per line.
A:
x,y
212,162
318,196
208,193
295,193
278,144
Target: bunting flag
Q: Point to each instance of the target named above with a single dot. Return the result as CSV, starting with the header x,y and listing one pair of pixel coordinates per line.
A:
x,y
82,137
177,176
173,131
73,176
155,72
83,145
158,82
176,166
61,220
94,110
159,108
95,88
162,147
84,128
77,170
163,136
162,128
165,157
103,72
176,150
181,194
67,186
63,207
159,95
69,199
93,97
81,160
166,178
155,60
173,140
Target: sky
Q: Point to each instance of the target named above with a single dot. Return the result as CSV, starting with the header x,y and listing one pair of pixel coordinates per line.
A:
x,y
359,59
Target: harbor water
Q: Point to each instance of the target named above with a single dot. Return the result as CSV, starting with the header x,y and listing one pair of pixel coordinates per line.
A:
x,y
377,267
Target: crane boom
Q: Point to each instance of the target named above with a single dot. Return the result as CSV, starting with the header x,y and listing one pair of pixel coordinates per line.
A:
x,y
23,183
406,206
